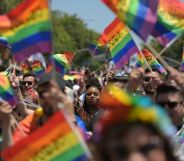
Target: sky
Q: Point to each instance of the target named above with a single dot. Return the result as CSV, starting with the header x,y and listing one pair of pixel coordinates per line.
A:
x,y
93,12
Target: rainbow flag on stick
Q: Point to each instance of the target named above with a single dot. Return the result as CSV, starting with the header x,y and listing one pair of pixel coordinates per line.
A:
x,y
120,43
37,67
139,15
27,28
170,23
154,64
61,62
6,92
54,141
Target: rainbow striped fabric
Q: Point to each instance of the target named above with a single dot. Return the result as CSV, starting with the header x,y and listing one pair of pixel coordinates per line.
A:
x,y
120,43
25,68
61,62
139,15
54,141
6,92
37,68
182,63
98,47
123,108
154,64
27,28
170,22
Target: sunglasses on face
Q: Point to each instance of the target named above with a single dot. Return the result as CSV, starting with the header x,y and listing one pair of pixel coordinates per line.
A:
x,y
169,104
29,83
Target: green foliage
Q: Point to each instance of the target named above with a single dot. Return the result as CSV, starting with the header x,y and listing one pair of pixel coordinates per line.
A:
x,y
7,5
71,33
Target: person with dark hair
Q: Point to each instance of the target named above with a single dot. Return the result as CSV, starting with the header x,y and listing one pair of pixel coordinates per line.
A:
x,y
29,87
131,129
170,97
89,110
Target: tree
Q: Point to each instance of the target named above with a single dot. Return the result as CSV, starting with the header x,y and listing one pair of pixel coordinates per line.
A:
x,y
71,33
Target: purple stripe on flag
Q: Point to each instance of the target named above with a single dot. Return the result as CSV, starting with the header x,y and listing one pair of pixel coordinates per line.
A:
x,y
43,47
152,20
126,57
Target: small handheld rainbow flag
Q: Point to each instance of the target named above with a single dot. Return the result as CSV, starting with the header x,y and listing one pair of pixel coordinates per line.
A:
x,y
27,28
95,49
139,15
154,64
56,140
37,67
6,92
61,62
170,23
120,43
25,68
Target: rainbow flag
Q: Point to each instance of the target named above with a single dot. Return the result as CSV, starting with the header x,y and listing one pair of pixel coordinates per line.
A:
x,y
154,64
25,68
182,63
170,23
56,140
120,43
123,107
37,68
61,62
27,28
95,49
6,92
139,15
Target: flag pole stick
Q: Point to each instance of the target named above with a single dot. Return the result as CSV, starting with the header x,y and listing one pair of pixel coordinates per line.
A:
x,y
158,55
165,48
99,68
147,64
171,60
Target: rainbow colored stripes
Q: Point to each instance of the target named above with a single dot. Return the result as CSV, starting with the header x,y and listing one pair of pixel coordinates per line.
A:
x,y
52,142
182,63
6,92
139,15
61,62
170,21
120,43
37,68
154,64
27,28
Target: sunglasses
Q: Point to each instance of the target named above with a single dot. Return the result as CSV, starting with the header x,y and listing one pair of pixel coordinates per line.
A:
x,y
169,104
29,83
147,79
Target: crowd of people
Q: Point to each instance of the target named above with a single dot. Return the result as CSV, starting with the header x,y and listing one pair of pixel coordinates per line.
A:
x,y
103,117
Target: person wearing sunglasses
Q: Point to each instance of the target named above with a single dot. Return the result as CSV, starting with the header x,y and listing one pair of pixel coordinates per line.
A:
x,y
170,97
150,81
29,87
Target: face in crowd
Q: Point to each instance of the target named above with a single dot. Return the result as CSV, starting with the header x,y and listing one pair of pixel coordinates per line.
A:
x,y
28,83
150,82
92,96
134,142
170,98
